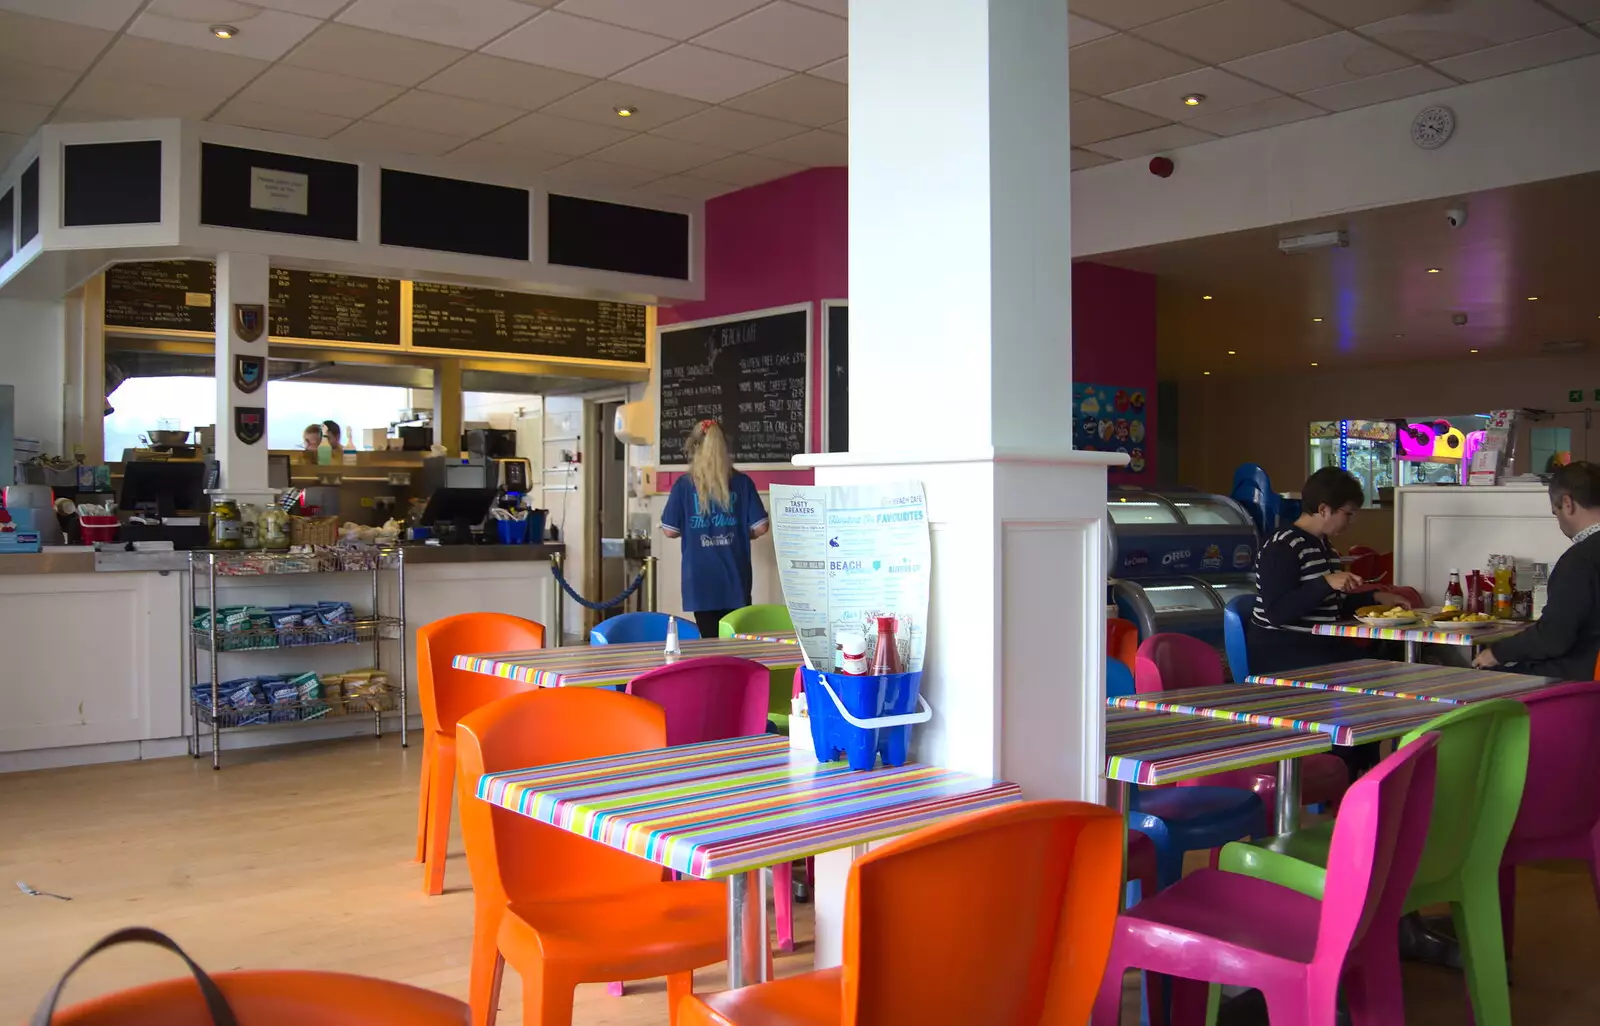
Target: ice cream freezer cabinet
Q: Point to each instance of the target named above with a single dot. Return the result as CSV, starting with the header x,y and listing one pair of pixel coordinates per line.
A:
x,y
1176,558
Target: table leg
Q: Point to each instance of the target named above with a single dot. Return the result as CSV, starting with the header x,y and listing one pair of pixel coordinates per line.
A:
x,y
1411,651
747,929
1118,796
1286,816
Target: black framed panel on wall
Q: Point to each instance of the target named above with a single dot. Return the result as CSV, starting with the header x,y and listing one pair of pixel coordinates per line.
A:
x,y
618,237
836,375
28,205
453,215
110,183
278,192
8,223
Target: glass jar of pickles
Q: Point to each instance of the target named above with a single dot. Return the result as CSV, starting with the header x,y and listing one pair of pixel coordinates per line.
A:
x,y
227,525
272,529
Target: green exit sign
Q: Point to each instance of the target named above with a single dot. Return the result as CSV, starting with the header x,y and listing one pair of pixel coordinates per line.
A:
x,y
1575,395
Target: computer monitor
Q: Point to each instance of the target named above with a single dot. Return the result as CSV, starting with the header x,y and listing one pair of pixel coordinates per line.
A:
x,y
164,488
458,506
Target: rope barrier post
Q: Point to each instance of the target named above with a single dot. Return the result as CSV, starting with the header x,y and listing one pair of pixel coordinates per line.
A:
x,y
558,616
650,603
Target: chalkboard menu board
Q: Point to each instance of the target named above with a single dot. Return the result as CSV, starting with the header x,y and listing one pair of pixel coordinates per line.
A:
x,y
836,340
169,295
492,321
335,307
748,373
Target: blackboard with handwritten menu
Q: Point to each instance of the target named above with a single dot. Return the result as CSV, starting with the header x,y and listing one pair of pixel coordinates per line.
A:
x,y
748,373
521,323
335,307
164,295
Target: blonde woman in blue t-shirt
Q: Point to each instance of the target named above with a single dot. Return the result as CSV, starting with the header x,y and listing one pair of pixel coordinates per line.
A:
x,y
716,511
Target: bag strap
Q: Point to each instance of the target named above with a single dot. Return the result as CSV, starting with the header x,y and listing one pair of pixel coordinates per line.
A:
x,y
216,1004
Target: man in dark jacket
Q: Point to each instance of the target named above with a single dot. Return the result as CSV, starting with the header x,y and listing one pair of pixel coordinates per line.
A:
x,y
1566,639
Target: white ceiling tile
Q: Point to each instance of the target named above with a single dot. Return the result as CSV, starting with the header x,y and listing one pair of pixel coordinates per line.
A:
x,y
675,19
1578,10
586,47
34,83
19,117
379,56
100,14
376,136
517,159
1120,62
1088,158
842,127
839,7
659,154
213,76
600,175
1252,117
1157,140
446,115
1534,52
784,34
1124,14
701,74
54,44
746,169
598,104
1351,13
10,146
728,129
464,23
1082,30
125,98
1235,28
1364,92
1324,61
814,149
318,91
1164,99
499,80
682,187
804,99
262,33
314,8
267,118
1095,119
556,135
1436,32
834,71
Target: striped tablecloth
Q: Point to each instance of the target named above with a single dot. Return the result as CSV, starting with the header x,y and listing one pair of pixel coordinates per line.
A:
x,y
774,637
1350,719
1454,685
615,665
1486,634
1164,748
724,807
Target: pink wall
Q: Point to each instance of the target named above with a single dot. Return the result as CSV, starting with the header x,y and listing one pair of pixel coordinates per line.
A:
x,y
787,242
1114,343
776,244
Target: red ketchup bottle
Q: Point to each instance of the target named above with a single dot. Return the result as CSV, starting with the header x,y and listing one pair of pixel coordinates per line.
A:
x,y
886,656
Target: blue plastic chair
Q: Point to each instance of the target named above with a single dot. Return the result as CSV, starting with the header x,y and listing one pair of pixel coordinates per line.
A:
x,y
1184,819
620,630
1233,616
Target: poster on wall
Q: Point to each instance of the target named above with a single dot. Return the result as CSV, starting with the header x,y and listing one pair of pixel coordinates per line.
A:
x,y
1107,418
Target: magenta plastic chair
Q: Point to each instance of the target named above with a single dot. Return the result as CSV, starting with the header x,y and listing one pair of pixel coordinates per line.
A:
x,y
1560,813
1173,662
708,699
1224,928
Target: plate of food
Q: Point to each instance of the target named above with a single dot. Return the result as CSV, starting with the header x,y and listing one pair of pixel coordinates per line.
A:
x,y
1388,616
1454,620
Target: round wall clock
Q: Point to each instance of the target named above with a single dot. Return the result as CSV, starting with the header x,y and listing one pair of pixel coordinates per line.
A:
x,y
1433,127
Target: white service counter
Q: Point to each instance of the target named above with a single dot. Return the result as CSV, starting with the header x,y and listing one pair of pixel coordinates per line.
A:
x,y
95,663
1442,528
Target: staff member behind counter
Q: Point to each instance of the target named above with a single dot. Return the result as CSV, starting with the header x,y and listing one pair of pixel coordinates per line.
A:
x,y
1565,641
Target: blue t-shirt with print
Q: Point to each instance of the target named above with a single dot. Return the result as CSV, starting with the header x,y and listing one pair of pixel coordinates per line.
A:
x,y
716,543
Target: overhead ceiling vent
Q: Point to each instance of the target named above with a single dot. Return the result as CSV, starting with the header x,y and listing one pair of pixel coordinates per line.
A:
x,y
1564,347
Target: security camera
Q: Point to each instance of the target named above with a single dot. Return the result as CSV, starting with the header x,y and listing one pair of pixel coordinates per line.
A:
x,y
1456,217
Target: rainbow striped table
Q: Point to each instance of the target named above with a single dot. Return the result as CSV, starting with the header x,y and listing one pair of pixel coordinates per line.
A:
x,y
1452,685
1153,748
774,637
594,666
1349,719
730,808
1463,635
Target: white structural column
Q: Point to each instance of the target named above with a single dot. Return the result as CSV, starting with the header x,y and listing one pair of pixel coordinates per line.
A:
x,y
961,368
241,278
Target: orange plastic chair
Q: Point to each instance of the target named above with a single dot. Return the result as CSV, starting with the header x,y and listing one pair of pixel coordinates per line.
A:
x,y
1021,940
446,694
1122,641
563,909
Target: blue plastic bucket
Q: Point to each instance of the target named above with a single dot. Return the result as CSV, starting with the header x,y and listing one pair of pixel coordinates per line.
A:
x,y
883,709
512,532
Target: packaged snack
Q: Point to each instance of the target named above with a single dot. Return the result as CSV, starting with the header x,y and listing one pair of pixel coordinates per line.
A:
x,y
308,692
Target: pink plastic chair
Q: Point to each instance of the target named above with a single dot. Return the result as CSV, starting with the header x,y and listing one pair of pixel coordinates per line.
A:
x,y
1225,928
1560,813
1173,662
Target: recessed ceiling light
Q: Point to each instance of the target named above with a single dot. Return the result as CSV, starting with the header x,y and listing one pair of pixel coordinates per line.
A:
x,y
1205,297
224,31
1313,363
1194,99
1232,353
1207,373
1472,350
1316,320
1433,270
626,112
1400,334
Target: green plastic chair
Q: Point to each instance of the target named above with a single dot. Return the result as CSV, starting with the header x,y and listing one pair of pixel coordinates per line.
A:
x,y
1483,760
760,619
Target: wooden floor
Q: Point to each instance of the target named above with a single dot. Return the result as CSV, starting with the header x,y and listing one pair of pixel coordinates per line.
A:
x,y
299,858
